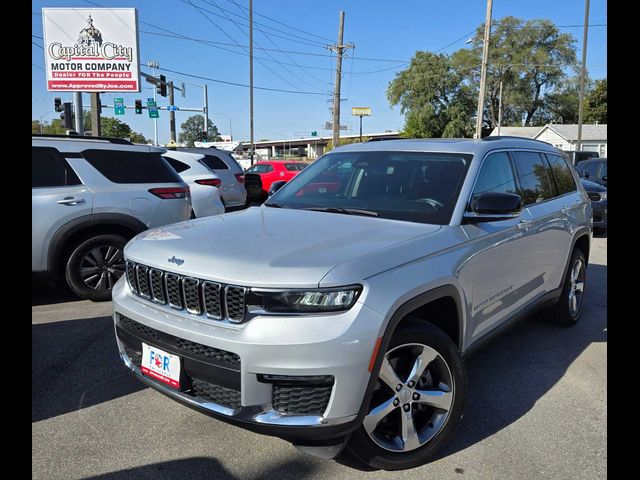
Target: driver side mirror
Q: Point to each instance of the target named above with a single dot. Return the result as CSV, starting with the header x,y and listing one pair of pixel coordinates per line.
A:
x,y
275,186
493,206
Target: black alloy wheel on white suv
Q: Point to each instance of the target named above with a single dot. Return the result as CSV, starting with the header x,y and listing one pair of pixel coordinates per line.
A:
x,y
95,265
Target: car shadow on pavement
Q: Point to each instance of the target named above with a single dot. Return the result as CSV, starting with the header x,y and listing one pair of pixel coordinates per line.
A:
x,y
74,365
204,468
511,373
44,293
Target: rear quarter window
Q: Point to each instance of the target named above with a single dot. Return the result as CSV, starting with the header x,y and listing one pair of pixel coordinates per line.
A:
x,y
294,167
177,165
561,174
214,162
121,166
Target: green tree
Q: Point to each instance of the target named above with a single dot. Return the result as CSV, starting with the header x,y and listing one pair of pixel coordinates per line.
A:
x,y
35,126
529,57
191,130
595,106
113,127
561,105
433,97
55,127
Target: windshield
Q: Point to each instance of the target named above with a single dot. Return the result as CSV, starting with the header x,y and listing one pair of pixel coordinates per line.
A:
x,y
411,186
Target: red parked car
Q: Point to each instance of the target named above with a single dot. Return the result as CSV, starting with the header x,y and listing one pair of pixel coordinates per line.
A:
x,y
273,170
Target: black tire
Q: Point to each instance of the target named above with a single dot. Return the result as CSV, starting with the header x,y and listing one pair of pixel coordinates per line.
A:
x,y
562,312
109,269
599,230
371,453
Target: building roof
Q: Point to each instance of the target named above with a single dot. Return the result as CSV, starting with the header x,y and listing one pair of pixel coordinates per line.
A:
x,y
528,132
570,131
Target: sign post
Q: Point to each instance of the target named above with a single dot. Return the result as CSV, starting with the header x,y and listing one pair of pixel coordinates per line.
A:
x,y
361,112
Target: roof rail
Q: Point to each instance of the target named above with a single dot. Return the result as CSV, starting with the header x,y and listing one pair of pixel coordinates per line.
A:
x,y
121,141
492,138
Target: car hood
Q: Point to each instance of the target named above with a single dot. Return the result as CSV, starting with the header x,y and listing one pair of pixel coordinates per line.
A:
x,y
269,247
590,186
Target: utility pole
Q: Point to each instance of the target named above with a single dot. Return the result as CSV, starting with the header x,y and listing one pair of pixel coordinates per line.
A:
x,y
77,105
251,151
339,48
483,71
153,65
500,108
583,72
95,114
172,114
206,113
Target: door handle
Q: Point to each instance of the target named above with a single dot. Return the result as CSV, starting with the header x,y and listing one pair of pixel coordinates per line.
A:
x,y
524,224
71,201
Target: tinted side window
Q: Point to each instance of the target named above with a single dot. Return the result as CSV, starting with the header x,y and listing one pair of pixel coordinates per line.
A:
x,y
561,174
120,166
177,165
495,175
214,163
590,168
294,167
534,179
50,169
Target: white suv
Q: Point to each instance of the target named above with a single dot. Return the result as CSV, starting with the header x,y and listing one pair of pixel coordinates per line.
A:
x,y
339,312
89,196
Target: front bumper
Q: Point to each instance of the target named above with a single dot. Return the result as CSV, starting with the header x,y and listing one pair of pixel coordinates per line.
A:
x,y
337,345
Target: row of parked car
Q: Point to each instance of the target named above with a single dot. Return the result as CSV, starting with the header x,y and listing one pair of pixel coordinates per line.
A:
x,y
90,196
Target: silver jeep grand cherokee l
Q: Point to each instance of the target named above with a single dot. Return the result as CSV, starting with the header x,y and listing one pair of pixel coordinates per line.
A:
x,y
339,312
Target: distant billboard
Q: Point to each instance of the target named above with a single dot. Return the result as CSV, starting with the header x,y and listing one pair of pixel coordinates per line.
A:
x,y
361,111
91,49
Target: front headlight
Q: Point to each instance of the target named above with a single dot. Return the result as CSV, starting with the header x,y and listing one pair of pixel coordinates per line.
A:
x,y
603,196
264,301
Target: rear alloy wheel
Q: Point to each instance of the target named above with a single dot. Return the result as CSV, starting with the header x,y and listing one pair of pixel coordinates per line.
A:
x,y
567,311
95,265
417,402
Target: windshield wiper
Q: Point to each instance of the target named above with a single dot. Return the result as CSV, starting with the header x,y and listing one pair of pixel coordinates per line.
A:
x,y
346,211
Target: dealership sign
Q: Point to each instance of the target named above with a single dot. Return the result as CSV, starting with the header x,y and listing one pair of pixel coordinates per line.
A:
x,y
91,49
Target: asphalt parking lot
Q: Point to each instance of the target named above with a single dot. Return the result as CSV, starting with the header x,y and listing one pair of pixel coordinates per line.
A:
x,y
536,407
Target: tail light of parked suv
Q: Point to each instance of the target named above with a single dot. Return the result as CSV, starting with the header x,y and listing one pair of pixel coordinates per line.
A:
x,y
240,177
171,192
213,182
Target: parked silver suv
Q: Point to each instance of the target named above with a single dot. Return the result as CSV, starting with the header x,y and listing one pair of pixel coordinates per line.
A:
x,y
89,196
339,312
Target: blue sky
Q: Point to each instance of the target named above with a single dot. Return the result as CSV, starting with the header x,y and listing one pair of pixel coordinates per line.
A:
x,y
379,29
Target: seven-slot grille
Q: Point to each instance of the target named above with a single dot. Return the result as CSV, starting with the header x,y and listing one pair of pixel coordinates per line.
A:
x,y
197,296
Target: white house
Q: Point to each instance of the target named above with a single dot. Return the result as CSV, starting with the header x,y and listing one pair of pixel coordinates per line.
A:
x,y
594,137
529,132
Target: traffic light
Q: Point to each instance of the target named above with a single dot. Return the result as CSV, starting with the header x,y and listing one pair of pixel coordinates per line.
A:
x,y
67,116
57,104
161,88
138,107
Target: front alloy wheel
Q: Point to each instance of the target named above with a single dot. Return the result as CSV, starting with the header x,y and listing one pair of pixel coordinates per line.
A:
x,y
417,401
411,407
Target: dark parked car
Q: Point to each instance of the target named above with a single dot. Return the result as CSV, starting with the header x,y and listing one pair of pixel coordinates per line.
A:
x,y
594,170
598,196
581,156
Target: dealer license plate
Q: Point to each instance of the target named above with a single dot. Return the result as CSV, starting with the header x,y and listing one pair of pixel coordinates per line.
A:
x,y
160,365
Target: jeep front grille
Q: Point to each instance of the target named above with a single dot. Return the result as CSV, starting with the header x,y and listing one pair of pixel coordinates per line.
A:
x,y
196,296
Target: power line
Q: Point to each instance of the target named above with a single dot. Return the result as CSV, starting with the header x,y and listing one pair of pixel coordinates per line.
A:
x,y
302,41
281,23
36,36
37,66
234,40
213,3
283,52
237,84
39,46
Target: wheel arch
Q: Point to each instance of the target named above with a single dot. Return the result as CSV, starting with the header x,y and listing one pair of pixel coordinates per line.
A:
x,y
70,233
